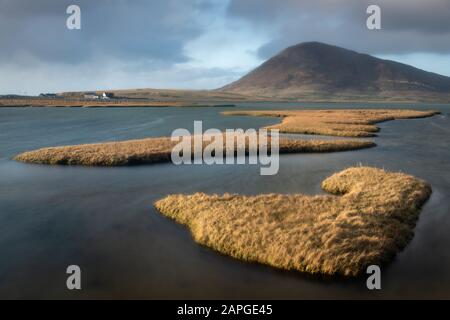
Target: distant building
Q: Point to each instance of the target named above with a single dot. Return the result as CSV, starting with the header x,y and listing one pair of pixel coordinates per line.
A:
x,y
94,95
48,95
107,95
12,96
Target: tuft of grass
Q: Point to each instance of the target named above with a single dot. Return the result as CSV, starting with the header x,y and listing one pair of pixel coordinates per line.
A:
x,y
337,122
156,150
369,219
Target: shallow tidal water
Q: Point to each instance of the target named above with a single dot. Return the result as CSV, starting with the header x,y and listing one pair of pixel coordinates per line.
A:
x,y
102,219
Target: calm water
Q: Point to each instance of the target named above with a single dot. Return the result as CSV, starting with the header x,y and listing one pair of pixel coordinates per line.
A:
x,y
102,219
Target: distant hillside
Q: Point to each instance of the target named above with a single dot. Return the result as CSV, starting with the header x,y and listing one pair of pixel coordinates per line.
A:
x,y
165,95
320,71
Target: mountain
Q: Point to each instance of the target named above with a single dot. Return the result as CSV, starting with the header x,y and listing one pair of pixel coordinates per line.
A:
x,y
317,70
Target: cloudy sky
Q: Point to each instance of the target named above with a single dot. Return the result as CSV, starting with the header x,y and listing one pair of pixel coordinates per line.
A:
x,y
199,44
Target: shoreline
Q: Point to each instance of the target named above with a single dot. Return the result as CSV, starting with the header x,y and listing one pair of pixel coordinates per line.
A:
x,y
202,100
70,103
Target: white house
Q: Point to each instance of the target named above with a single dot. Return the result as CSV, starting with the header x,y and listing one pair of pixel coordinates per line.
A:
x,y
107,95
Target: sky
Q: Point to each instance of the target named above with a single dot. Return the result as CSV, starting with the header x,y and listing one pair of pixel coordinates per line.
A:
x,y
199,44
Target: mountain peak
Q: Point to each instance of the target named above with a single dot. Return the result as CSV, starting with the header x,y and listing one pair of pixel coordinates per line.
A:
x,y
315,68
311,45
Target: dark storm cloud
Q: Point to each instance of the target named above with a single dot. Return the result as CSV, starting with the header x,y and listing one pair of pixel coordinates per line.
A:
x,y
158,30
196,43
409,26
136,29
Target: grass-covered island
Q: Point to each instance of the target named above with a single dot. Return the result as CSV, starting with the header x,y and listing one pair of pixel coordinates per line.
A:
x,y
346,122
336,122
369,219
157,150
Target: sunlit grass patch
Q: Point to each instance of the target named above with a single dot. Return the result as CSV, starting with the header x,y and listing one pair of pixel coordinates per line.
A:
x,y
156,150
335,122
369,219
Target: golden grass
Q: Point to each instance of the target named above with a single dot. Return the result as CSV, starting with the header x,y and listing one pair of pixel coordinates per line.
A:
x,y
344,123
352,123
369,220
155,150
